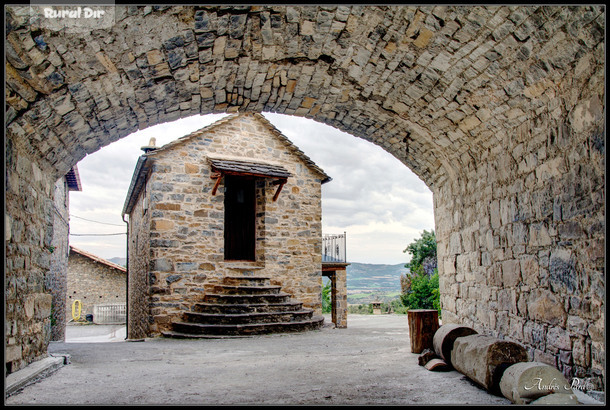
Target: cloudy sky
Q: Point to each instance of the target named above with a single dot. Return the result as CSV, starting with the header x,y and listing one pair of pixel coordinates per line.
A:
x,y
375,199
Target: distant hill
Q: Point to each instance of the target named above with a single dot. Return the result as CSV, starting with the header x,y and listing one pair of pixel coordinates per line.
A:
x,y
368,282
119,261
374,277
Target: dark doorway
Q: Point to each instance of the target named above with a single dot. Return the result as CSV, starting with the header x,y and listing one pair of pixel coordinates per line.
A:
x,y
240,214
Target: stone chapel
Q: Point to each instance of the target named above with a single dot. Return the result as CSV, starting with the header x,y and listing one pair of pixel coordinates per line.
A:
x,y
224,234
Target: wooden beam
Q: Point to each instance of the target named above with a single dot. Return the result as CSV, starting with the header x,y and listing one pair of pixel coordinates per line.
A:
x,y
218,178
281,183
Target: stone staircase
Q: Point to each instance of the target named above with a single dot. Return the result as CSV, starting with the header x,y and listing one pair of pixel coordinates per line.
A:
x,y
244,306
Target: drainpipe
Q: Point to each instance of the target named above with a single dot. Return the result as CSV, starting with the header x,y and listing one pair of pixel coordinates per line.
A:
x,y
126,281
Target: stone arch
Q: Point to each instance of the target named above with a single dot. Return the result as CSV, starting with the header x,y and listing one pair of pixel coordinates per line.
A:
x,y
496,109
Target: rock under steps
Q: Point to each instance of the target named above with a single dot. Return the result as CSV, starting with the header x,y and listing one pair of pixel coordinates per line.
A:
x,y
244,306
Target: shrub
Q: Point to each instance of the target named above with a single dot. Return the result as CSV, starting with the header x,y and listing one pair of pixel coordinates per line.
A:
x,y
326,302
420,286
423,292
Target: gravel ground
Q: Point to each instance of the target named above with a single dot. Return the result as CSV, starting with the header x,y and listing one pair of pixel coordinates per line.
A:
x,y
368,363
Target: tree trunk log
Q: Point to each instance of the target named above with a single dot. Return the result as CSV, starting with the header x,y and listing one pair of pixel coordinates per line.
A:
x,y
423,323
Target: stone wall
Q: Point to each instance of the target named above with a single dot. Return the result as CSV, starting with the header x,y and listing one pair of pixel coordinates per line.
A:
x,y
56,279
187,221
28,240
523,258
138,259
92,282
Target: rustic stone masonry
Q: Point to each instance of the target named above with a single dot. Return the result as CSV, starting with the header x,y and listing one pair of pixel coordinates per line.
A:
x,y
55,280
93,280
498,109
36,238
138,285
185,221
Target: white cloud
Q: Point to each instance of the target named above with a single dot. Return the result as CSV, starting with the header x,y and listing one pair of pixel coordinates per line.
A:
x,y
373,197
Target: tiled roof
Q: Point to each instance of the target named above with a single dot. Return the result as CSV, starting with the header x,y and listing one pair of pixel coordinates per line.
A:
x,y
250,168
98,259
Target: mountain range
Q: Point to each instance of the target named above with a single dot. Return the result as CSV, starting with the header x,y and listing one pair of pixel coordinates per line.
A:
x,y
374,277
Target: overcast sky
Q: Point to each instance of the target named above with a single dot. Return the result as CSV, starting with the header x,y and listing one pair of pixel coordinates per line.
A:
x,y
373,197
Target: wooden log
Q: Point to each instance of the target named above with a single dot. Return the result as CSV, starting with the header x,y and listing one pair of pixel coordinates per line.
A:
x,y
444,339
423,323
483,359
425,357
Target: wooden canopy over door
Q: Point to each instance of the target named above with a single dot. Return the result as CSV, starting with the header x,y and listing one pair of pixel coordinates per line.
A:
x,y
240,202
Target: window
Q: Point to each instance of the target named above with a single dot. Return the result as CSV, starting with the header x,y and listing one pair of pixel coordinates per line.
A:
x,y
240,218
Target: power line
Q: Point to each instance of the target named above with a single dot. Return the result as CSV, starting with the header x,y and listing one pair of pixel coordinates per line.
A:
x,y
98,222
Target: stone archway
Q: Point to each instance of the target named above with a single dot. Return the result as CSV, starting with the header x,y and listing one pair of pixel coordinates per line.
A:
x,y
499,110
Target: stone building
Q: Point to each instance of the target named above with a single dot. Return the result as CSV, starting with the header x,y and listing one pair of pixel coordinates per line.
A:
x,y
233,199
56,280
93,281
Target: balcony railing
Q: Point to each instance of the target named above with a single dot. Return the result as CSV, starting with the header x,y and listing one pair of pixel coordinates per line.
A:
x,y
333,248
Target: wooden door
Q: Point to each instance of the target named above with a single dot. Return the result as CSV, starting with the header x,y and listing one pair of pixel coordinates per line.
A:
x,y
240,214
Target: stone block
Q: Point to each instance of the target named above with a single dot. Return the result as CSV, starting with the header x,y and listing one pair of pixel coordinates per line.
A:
x,y
530,270
527,381
556,399
12,353
162,225
445,337
511,273
546,307
43,305
559,338
483,359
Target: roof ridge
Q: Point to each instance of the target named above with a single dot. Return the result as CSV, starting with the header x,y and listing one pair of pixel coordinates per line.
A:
x,y
193,134
98,259
231,117
293,146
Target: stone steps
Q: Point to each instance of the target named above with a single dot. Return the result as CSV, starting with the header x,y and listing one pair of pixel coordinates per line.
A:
x,y
242,290
246,280
244,306
247,318
186,328
263,298
289,306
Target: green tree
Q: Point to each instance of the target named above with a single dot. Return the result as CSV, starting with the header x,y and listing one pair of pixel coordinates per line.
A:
x,y
422,249
419,287
326,302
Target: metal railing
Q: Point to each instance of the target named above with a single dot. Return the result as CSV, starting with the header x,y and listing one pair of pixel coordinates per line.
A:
x,y
109,313
333,248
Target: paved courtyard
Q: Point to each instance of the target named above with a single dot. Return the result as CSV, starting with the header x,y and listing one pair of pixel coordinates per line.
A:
x,y
369,363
